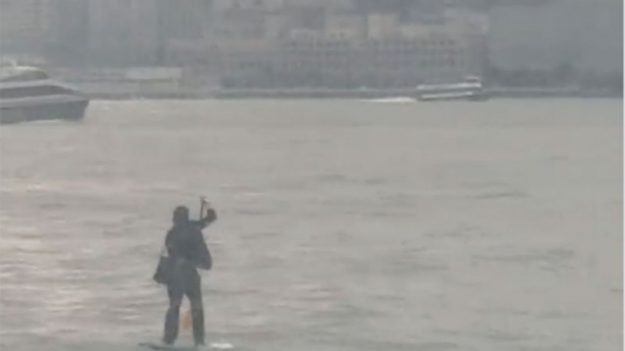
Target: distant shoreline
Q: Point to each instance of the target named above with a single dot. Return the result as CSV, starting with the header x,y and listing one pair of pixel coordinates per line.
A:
x,y
532,93
299,93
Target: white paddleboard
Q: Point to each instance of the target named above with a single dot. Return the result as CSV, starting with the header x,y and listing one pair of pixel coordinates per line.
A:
x,y
211,346
221,346
156,346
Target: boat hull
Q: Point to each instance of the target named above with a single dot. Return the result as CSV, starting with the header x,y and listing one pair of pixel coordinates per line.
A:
x,y
467,96
66,110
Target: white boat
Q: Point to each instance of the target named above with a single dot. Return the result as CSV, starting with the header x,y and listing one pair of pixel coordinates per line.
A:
x,y
28,94
470,89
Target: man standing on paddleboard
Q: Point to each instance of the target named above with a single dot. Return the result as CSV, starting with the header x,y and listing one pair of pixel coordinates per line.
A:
x,y
186,252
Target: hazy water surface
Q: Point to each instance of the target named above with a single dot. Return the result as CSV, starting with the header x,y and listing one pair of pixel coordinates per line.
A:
x,y
344,225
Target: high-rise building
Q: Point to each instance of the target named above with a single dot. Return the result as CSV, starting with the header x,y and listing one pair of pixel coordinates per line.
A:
x,y
123,32
69,33
24,26
573,34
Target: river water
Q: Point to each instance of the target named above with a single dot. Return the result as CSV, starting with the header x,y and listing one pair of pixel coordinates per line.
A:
x,y
343,225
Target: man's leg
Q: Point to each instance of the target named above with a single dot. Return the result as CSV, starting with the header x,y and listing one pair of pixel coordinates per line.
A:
x,y
197,310
173,315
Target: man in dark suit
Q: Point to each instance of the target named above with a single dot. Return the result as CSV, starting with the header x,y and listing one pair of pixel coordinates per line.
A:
x,y
187,252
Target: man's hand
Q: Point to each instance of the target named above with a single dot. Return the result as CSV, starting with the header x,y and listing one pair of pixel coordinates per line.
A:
x,y
205,205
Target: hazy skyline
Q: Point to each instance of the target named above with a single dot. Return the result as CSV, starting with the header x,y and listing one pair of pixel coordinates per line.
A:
x,y
554,37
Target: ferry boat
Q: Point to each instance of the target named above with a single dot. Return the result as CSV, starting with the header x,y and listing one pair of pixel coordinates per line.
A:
x,y
470,89
28,94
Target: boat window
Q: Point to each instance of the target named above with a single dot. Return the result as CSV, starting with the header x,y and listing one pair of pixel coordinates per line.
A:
x,y
25,76
19,92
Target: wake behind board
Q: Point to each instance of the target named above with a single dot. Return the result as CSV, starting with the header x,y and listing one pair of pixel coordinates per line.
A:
x,y
162,347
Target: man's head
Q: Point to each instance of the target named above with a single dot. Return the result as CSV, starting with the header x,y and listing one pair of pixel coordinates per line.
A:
x,y
181,215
